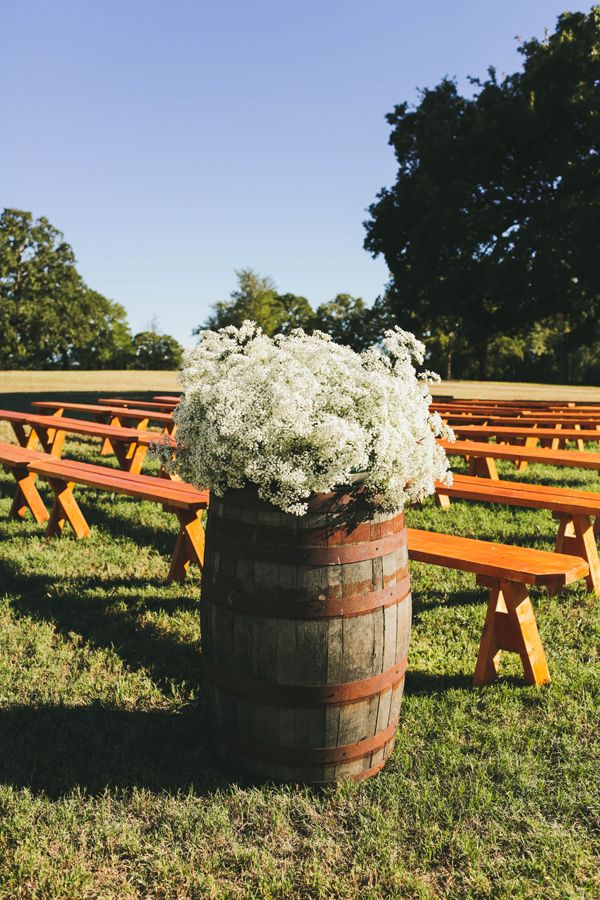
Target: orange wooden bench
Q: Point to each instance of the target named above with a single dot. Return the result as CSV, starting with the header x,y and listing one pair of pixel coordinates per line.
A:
x,y
482,455
530,435
111,415
506,571
102,412
46,431
185,501
15,459
578,512
526,420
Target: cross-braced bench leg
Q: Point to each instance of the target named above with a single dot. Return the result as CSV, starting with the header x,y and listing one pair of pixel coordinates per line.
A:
x,y
142,425
27,496
483,467
442,500
130,455
510,625
107,448
66,509
529,442
189,547
577,535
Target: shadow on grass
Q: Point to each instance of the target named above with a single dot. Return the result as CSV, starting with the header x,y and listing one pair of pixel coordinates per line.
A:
x,y
113,620
425,599
55,749
430,683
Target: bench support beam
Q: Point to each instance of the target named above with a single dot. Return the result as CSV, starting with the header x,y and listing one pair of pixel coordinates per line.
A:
x,y
483,467
27,496
189,547
510,626
66,509
577,535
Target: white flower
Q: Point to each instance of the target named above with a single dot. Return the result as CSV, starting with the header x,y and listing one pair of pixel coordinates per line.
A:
x,y
300,414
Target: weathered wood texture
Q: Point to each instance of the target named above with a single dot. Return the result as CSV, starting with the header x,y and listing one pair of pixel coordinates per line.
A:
x,y
305,630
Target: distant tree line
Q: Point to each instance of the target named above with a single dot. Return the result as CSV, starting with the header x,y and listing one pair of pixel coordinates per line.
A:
x,y
346,318
51,319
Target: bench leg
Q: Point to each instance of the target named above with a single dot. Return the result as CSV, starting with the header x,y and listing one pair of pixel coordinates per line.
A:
x,y
142,425
51,439
510,626
577,535
107,448
27,497
442,500
66,509
483,467
189,547
529,442
30,441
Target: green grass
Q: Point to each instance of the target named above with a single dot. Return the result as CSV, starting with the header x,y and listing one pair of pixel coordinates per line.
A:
x,y
108,788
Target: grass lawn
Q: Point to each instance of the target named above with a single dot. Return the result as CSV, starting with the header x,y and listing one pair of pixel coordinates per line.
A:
x,y
108,788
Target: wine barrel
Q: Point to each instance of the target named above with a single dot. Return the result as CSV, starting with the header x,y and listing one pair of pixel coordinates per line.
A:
x,y
305,631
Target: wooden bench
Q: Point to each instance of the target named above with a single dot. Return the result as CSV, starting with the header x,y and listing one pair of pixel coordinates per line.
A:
x,y
111,415
506,572
482,456
578,512
15,459
185,501
531,436
46,431
526,420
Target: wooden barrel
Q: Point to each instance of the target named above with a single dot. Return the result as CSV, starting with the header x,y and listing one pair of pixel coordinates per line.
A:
x,y
305,630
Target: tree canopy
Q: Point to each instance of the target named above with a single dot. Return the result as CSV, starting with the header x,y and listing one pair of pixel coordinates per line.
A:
x,y
50,318
156,351
491,231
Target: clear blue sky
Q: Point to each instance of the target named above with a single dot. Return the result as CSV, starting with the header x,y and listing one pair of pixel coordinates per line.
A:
x,y
175,140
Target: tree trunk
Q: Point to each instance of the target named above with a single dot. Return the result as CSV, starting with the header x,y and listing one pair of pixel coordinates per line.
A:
x,y
449,365
483,352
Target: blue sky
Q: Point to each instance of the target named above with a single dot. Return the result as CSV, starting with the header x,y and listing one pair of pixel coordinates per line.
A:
x,y
173,142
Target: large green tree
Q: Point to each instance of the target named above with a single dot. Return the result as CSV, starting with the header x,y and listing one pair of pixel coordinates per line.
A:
x,y
348,320
493,224
154,350
256,298
49,317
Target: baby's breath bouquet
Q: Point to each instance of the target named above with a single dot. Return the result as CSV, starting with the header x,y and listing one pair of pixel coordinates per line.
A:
x,y
299,414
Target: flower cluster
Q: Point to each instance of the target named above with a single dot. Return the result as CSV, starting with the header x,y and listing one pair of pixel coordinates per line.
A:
x,y
299,414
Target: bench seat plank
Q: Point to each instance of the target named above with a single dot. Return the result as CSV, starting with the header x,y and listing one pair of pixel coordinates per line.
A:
x,y
135,404
499,431
147,487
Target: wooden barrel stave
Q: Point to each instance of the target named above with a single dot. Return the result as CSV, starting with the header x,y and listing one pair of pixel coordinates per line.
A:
x,y
305,651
